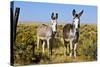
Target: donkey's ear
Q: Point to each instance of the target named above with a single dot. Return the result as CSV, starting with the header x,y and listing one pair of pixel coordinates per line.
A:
x,y
52,15
73,12
56,15
81,13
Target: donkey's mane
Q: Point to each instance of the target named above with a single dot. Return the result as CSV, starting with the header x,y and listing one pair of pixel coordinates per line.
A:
x,y
44,24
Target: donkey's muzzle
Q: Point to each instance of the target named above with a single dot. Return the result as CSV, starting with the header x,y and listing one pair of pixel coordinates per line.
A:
x,y
54,33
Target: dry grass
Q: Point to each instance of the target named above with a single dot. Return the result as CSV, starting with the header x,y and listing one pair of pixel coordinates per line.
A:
x,y
25,51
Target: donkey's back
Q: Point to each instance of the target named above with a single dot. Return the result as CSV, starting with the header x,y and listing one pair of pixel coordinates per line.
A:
x,y
68,32
44,31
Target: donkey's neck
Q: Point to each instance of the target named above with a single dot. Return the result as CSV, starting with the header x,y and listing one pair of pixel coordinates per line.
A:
x,y
76,23
54,25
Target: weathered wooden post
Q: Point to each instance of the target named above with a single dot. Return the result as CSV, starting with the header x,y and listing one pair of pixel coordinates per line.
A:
x,y
14,20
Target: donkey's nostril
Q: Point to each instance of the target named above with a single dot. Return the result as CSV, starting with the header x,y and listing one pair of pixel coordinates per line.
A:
x,y
55,32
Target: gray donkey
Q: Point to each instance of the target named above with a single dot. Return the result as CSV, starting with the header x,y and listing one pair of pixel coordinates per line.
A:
x,y
71,34
45,32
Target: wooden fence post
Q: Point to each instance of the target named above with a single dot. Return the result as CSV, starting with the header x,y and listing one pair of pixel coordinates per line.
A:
x,y
14,20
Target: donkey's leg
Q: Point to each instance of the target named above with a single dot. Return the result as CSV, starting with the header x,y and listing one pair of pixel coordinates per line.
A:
x,y
48,45
43,46
63,41
75,46
38,42
51,47
71,48
65,48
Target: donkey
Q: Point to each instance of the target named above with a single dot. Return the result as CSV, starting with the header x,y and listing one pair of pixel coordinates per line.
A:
x,y
45,32
71,34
